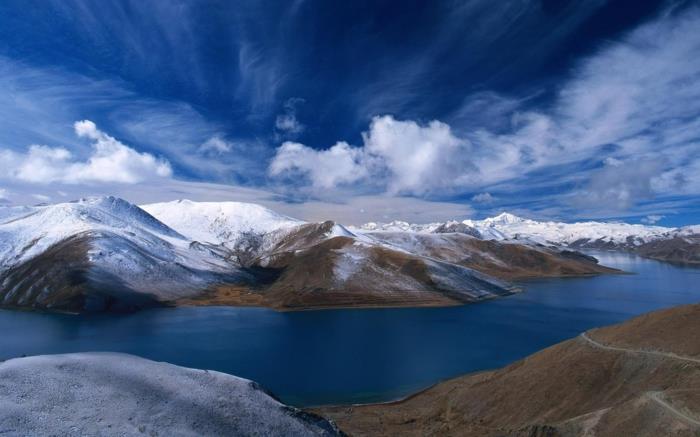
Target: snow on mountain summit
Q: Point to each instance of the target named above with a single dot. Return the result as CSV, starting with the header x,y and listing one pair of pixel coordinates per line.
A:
x,y
218,222
98,252
507,226
504,218
32,230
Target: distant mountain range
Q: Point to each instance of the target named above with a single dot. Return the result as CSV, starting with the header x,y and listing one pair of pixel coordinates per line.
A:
x,y
680,245
105,254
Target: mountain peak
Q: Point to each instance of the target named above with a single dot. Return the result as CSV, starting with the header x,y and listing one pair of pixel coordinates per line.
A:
x,y
218,222
506,218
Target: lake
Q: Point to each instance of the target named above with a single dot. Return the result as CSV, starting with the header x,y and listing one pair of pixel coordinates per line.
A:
x,y
366,355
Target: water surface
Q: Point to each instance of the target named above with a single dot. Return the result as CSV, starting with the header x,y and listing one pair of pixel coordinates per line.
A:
x,y
367,355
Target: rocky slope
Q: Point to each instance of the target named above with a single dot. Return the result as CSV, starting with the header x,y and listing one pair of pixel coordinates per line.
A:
x,y
115,394
638,378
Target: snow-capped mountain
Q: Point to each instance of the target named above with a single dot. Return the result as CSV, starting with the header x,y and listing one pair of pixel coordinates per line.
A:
x,y
99,252
508,226
27,231
218,222
658,242
104,253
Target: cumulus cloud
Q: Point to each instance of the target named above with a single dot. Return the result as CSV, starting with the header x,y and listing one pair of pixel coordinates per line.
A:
x,y
325,169
109,161
419,159
402,156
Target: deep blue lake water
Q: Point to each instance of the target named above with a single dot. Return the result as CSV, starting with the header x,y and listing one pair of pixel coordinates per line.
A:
x,y
367,355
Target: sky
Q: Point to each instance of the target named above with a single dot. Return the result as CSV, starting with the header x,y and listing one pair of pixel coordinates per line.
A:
x,y
358,111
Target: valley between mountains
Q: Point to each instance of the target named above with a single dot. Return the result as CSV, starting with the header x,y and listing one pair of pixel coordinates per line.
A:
x,y
106,254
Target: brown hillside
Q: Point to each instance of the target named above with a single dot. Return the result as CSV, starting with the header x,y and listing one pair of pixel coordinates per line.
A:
x,y
575,388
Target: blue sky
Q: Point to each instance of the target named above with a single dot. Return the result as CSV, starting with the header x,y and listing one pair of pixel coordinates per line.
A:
x,y
358,111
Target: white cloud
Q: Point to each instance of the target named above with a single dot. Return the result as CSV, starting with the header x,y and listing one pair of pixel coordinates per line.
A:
x,y
483,198
652,219
260,78
110,161
325,169
618,185
215,144
419,159
404,156
287,123
53,99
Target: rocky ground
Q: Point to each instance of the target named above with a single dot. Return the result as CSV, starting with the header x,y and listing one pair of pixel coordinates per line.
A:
x,y
639,378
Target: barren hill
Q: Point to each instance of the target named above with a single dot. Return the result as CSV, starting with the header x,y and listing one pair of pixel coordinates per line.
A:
x,y
639,378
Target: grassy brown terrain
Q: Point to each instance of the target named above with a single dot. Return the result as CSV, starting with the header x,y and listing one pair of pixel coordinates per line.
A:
x,y
639,378
233,295
306,278
225,295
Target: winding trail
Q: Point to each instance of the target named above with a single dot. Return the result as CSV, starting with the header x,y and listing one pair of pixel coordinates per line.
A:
x,y
673,356
655,396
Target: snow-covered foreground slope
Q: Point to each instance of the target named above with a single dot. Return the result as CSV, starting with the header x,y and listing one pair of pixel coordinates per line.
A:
x,y
111,394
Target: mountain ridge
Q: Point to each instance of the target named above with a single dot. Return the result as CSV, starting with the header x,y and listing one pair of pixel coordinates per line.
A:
x,y
104,253
682,245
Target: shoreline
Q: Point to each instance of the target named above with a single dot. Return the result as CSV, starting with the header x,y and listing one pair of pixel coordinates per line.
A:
x,y
255,300
402,399
637,365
